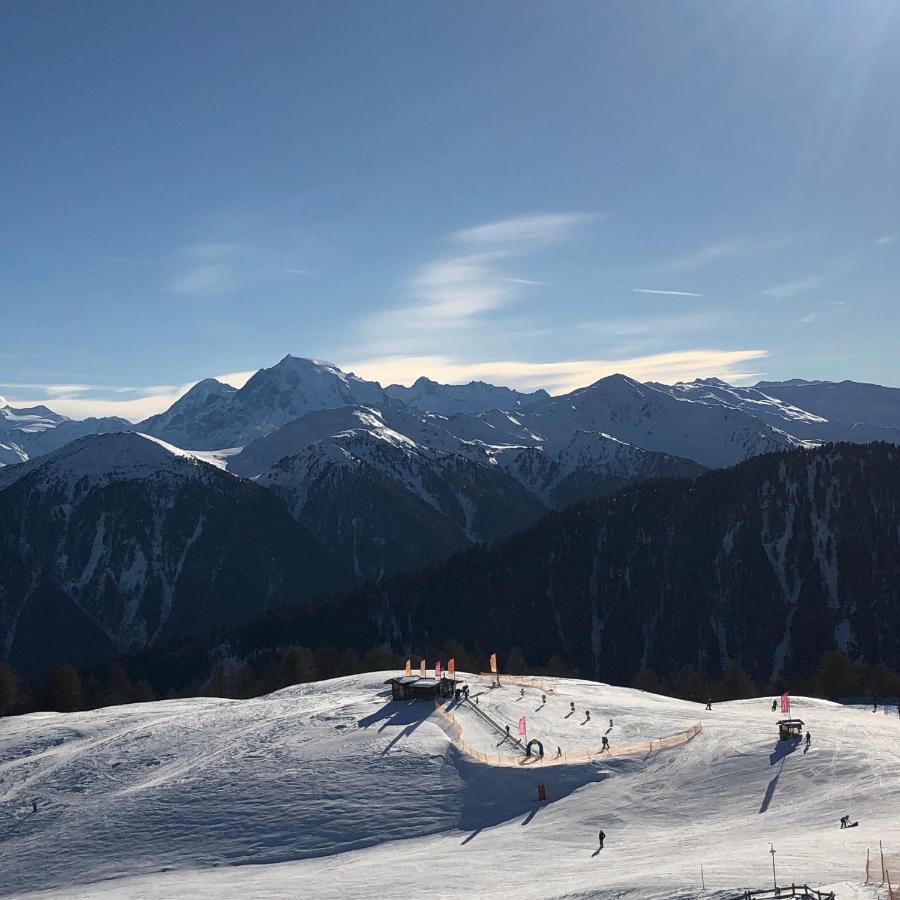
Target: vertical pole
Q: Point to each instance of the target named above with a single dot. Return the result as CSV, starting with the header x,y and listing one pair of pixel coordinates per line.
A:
x,y
702,879
774,879
881,851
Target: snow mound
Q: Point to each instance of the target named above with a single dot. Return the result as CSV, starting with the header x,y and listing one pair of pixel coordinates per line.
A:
x,y
308,791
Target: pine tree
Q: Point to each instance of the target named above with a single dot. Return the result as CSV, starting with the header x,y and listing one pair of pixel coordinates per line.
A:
x,y
9,688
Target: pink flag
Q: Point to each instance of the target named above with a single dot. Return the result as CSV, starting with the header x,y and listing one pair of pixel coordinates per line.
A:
x,y
522,727
437,669
785,703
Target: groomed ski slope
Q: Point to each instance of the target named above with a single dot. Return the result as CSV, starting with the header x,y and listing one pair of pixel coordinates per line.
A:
x,y
330,790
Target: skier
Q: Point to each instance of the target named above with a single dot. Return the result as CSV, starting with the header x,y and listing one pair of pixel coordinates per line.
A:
x,y
709,703
601,837
774,705
808,740
605,741
874,704
572,706
845,821
558,752
610,723
543,698
34,806
587,715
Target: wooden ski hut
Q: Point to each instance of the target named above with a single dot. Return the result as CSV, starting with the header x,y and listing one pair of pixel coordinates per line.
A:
x,y
412,687
790,730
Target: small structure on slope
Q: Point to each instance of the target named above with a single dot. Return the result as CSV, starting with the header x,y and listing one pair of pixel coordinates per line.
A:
x,y
790,730
413,687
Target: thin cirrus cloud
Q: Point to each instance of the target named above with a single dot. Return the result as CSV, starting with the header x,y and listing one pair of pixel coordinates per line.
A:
x,y
535,228
886,239
666,293
448,296
793,288
720,250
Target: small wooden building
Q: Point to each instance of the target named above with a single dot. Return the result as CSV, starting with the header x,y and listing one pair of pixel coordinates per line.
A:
x,y
412,687
790,730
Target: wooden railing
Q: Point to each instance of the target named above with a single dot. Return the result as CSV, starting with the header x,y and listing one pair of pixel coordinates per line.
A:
x,y
794,892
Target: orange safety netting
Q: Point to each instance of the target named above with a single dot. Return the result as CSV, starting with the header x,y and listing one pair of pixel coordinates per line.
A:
x,y
455,732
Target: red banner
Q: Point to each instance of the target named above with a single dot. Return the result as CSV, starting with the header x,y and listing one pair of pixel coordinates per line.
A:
x,y
522,727
785,703
437,669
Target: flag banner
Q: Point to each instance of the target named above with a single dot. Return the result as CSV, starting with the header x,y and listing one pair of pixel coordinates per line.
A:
x,y
785,703
451,665
421,668
522,727
494,663
408,669
437,669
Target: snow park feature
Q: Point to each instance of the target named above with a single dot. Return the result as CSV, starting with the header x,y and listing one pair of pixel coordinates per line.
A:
x,y
334,790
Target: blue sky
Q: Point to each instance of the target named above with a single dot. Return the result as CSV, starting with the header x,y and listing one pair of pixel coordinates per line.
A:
x,y
533,193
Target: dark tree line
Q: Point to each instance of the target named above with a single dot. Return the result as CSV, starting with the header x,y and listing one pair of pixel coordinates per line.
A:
x,y
68,689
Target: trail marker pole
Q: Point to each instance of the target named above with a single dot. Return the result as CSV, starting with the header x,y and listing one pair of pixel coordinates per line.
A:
x,y
702,879
881,851
774,879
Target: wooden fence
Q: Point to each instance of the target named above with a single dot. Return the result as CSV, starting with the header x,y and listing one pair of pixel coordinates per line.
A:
x,y
794,892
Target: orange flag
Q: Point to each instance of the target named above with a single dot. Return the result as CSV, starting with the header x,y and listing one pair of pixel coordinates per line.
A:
x,y
422,668
408,669
494,663
451,665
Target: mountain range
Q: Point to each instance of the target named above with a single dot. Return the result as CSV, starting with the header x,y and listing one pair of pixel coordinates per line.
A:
x,y
337,480
767,564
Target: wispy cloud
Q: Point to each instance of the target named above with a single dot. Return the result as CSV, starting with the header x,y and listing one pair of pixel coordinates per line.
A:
x,y
809,317
792,288
82,407
887,239
206,280
667,293
565,375
527,281
449,296
536,228
723,250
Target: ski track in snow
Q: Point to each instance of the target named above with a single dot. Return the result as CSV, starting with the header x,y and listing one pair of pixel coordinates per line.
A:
x,y
330,790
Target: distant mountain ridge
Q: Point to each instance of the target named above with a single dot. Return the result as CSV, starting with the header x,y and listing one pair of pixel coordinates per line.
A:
x,y
306,449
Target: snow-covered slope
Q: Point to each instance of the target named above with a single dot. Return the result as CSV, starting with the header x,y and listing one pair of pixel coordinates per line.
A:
x,y
475,397
213,415
653,419
27,433
855,411
842,401
203,411
110,457
330,790
590,465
